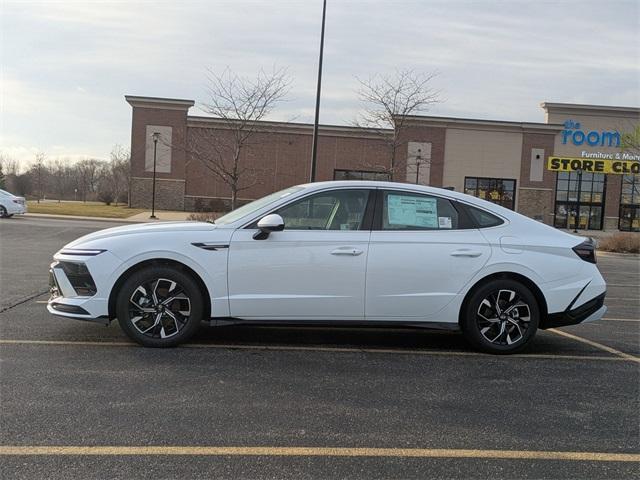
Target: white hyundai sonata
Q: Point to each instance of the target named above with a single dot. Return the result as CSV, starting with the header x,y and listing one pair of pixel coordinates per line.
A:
x,y
364,253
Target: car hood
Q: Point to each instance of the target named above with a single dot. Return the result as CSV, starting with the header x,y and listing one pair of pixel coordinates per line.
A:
x,y
144,228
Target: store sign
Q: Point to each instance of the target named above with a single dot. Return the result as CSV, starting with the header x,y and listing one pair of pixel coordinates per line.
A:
x,y
574,134
619,167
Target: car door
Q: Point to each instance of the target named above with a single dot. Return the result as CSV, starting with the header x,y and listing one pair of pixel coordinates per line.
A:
x,y
421,253
313,269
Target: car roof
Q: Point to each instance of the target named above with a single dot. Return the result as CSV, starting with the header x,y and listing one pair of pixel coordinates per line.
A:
x,y
397,186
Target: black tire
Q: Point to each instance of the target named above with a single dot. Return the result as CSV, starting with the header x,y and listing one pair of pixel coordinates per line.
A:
x,y
163,317
3,212
501,317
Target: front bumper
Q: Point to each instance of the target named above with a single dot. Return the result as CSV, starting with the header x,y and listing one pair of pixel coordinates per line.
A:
x,y
590,311
79,287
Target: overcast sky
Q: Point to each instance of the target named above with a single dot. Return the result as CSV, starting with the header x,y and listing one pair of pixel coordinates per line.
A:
x,y
66,65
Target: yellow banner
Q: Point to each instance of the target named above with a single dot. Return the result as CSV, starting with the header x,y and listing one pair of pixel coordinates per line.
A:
x,y
595,165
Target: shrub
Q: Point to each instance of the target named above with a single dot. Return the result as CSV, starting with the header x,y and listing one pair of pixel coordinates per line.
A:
x,y
203,216
621,243
106,196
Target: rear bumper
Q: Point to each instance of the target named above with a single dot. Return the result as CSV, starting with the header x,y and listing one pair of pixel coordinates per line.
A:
x,y
590,311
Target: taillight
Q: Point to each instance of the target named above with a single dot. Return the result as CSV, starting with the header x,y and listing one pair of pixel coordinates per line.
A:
x,y
586,251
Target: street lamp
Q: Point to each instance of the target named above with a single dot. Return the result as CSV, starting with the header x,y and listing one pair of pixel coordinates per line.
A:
x,y
314,141
155,137
418,162
576,217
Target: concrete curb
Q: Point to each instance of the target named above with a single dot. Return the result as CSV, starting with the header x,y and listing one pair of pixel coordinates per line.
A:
x,y
76,217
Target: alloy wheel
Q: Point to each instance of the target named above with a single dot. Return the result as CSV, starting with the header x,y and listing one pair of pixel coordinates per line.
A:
x,y
159,308
503,317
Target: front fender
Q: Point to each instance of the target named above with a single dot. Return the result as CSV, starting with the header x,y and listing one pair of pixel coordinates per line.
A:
x,y
210,266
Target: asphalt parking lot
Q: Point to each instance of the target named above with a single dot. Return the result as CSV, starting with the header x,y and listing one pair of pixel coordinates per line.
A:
x,y
80,401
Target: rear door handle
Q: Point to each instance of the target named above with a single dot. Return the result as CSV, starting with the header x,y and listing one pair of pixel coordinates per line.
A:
x,y
347,251
465,253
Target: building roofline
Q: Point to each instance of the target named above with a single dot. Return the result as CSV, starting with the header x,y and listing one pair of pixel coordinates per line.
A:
x,y
482,123
587,107
292,127
159,102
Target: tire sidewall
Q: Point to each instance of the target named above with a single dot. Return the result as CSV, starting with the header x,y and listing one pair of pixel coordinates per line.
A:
x,y
472,331
3,212
138,278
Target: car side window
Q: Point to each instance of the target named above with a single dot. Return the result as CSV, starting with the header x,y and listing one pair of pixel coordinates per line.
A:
x,y
334,210
414,211
482,218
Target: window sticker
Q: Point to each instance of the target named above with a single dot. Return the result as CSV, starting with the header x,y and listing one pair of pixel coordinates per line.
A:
x,y
444,222
412,211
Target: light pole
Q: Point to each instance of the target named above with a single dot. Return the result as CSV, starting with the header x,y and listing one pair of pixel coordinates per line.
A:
x,y
155,137
314,144
418,162
576,217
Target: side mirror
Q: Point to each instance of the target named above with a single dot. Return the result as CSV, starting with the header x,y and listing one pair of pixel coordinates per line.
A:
x,y
268,224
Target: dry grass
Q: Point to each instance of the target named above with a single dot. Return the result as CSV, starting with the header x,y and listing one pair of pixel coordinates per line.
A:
x,y
204,216
621,243
88,209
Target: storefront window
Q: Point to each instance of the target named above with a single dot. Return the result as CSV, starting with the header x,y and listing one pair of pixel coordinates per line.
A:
x,y
496,190
586,212
360,175
630,204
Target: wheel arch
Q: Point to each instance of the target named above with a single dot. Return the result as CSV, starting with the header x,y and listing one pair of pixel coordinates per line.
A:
x,y
530,284
164,262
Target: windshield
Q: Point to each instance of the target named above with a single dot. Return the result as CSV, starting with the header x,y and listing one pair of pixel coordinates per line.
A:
x,y
249,208
2,192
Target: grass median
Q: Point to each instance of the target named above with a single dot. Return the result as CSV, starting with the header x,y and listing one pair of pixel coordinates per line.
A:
x,y
83,209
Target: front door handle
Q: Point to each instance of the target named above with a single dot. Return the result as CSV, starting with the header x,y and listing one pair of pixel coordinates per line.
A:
x,y
465,253
347,251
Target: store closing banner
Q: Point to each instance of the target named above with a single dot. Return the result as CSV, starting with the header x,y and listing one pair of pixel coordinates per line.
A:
x,y
619,167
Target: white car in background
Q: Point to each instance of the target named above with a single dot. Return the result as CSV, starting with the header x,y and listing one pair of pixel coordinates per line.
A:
x,y
11,204
347,252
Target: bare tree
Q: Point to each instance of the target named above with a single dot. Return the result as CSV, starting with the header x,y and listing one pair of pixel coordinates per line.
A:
x,y
387,102
88,176
61,174
239,103
38,171
121,172
630,140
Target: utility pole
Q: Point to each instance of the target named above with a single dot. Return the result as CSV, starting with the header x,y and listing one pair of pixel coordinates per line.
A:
x,y
314,145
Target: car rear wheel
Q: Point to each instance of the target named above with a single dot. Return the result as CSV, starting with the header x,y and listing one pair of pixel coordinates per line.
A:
x,y
501,317
159,307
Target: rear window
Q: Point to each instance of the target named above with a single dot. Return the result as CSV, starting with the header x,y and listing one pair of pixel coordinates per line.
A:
x,y
483,218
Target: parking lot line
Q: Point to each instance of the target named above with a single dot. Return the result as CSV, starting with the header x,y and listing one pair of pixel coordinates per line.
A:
x,y
319,349
613,351
621,319
319,452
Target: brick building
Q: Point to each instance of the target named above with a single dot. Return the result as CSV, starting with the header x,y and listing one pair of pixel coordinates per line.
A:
x,y
503,162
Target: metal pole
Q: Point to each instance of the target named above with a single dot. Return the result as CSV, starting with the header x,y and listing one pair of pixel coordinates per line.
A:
x,y
153,188
417,171
577,216
314,145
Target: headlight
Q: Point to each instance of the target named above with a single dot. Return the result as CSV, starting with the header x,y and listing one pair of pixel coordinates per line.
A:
x,y
86,252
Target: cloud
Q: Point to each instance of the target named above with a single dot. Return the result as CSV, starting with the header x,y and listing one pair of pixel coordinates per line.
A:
x,y
66,65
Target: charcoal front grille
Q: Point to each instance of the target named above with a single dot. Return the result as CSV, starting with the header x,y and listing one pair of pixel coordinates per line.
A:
x,y
79,278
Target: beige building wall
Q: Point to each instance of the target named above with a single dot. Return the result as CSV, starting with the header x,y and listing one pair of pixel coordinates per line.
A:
x,y
481,153
589,122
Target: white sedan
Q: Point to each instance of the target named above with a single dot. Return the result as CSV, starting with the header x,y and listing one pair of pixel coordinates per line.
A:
x,y
365,253
11,204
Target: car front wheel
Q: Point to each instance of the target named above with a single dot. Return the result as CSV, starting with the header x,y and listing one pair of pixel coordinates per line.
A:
x,y
159,307
501,317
